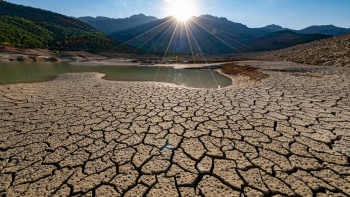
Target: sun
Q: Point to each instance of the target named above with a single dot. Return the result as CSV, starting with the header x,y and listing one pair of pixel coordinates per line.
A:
x,y
182,9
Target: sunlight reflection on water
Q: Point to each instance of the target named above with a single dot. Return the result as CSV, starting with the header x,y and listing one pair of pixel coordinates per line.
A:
x,y
21,72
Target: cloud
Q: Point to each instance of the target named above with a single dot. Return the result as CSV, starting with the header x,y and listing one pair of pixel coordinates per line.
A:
x,y
168,1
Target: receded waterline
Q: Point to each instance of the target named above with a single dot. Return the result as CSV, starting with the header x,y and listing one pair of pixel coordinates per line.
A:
x,y
22,72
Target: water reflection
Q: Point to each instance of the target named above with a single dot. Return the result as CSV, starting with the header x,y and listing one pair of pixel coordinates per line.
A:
x,y
21,72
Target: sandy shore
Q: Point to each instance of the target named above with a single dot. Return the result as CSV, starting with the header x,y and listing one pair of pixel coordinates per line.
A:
x,y
79,135
8,53
130,62
100,61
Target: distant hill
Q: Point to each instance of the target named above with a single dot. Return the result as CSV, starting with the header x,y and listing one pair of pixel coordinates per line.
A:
x,y
271,28
110,25
35,28
280,40
325,29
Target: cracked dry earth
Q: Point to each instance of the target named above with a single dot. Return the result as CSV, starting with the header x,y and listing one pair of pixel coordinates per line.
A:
x,y
80,135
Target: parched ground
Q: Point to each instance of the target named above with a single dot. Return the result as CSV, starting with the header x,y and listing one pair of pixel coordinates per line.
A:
x,y
80,135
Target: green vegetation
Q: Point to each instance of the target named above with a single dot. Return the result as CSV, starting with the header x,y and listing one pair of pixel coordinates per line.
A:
x,y
18,31
35,28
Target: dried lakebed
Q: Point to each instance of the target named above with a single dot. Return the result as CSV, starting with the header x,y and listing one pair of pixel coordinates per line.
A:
x,y
79,135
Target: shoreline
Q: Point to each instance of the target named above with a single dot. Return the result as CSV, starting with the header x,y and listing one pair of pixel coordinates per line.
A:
x,y
104,61
82,58
87,62
9,53
101,61
238,81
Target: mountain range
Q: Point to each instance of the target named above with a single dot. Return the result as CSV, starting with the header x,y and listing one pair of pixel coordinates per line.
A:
x,y
25,26
206,34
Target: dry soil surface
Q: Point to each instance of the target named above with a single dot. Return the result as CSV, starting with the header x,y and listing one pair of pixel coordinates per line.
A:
x,y
79,135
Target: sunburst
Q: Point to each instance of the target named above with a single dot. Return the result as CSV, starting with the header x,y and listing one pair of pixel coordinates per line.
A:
x,y
182,9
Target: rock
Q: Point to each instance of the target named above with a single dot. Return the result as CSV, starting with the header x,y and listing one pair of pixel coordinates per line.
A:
x,y
37,59
24,59
54,59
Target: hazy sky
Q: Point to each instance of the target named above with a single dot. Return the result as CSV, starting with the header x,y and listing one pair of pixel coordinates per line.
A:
x,y
295,14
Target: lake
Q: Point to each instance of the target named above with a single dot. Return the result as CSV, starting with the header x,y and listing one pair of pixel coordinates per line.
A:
x,y
32,72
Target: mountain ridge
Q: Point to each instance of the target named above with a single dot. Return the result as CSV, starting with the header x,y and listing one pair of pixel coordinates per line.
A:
x,y
325,29
331,30
110,25
214,35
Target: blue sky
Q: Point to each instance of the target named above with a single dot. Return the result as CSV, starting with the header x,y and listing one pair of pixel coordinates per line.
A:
x,y
295,14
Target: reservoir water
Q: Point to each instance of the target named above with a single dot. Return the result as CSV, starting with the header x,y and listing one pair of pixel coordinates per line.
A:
x,y
22,72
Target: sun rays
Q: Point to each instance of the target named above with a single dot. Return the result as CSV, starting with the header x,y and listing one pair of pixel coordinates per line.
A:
x,y
182,9
184,34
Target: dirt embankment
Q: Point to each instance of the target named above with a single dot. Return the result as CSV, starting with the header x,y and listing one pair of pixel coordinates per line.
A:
x,y
252,73
10,53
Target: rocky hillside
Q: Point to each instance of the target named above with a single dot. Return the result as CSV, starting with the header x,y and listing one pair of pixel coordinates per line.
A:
x,y
333,51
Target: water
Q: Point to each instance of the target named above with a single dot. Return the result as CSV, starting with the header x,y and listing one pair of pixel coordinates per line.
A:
x,y
21,72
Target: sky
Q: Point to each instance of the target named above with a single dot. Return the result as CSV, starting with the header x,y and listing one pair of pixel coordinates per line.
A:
x,y
294,14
